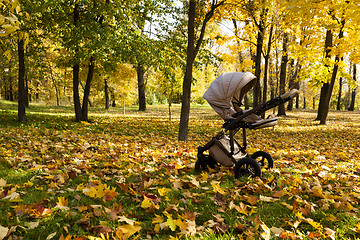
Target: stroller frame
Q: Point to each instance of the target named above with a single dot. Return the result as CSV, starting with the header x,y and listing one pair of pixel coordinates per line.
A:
x,y
244,165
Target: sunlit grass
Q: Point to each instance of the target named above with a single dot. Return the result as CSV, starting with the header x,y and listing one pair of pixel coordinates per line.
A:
x,y
137,155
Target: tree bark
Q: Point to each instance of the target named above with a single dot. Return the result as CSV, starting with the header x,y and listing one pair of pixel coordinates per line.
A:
x,y
107,99
259,46
85,104
26,92
325,110
283,66
185,101
338,105
325,86
76,70
141,87
266,69
353,93
192,51
21,83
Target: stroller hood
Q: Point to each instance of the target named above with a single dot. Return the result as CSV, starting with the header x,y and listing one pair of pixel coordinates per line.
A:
x,y
228,90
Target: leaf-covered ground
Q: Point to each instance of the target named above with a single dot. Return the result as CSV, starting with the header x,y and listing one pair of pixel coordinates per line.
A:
x,y
127,177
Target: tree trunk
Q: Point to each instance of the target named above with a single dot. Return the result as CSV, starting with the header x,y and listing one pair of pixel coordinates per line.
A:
x,y
185,100
76,70
77,106
325,86
353,93
284,60
292,83
338,105
192,51
26,92
85,104
107,99
325,111
297,104
266,69
259,46
141,87
21,83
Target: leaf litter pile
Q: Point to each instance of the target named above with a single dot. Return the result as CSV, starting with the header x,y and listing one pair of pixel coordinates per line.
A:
x,y
127,177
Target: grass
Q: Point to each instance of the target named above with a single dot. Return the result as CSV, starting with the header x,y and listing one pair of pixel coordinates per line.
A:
x,y
127,176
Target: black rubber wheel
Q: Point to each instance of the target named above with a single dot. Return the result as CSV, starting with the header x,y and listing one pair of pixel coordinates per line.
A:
x,y
205,161
247,167
200,165
264,159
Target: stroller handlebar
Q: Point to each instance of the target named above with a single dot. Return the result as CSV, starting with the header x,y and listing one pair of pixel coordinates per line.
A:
x,y
292,93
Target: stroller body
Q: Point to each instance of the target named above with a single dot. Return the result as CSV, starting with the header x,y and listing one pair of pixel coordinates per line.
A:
x,y
225,96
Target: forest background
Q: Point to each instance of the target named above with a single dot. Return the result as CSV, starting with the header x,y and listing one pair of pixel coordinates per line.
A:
x,y
148,52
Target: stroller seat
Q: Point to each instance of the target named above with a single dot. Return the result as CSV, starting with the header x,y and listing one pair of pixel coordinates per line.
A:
x,y
256,122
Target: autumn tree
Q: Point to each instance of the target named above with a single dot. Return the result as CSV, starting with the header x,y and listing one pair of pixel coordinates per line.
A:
x,y
92,35
196,18
14,28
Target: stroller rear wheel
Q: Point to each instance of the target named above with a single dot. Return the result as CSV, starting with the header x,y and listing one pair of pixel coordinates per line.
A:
x,y
264,159
247,167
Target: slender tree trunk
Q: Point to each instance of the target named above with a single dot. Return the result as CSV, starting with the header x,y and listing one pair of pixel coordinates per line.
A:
x,y
77,106
76,71
325,86
21,83
332,81
170,103
266,69
185,101
353,93
107,99
192,51
141,87
259,46
26,92
338,105
284,60
85,104
11,94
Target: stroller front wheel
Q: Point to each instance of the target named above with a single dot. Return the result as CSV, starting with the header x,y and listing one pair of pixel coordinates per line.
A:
x,y
247,167
264,159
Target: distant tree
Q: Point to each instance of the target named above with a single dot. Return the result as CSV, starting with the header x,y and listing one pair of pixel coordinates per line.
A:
x,y
353,92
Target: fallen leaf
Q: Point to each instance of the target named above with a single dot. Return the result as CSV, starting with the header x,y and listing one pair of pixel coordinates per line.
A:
x,y
3,232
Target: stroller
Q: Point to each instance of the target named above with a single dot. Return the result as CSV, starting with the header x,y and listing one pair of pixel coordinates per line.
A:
x,y
225,96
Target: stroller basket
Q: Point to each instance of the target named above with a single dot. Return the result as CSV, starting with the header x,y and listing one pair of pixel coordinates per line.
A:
x,y
225,95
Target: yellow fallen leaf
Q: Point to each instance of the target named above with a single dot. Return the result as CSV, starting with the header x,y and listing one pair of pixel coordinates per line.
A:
x,y
330,233
62,202
125,231
277,231
317,191
3,232
157,219
268,199
171,223
2,182
146,203
127,220
267,233
163,191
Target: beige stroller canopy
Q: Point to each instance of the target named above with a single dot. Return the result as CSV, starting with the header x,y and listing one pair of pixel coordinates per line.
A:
x,y
227,91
